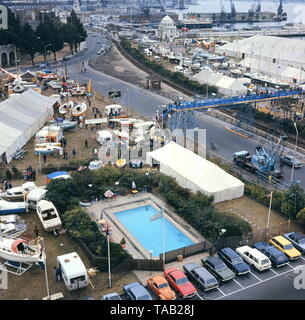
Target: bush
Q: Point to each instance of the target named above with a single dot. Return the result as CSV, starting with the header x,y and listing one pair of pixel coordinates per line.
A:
x,y
8,174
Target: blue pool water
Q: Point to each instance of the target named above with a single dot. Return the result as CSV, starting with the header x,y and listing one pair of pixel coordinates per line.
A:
x,y
149,232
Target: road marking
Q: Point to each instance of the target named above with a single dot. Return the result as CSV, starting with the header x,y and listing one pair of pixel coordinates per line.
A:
x,y
302,258
238,283
255,284
221,291
288,264
199,296
259,279
273,271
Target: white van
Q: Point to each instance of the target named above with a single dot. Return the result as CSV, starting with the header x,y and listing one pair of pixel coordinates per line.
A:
x,y
34,196
73,271
254,257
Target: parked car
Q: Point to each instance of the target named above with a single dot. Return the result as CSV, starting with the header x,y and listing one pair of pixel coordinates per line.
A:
x,y
286,247
111,296
202,276
297,239
218,268
135,291
234,261
161,288
276,257
254,258
290,160
180,283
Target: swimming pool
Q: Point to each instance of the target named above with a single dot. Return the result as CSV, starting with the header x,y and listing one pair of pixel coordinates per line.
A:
x,y
149,231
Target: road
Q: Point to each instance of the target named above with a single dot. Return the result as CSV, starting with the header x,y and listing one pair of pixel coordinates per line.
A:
x,y
273,284
148,103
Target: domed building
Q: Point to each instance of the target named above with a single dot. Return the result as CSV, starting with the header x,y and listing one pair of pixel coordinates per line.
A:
x,y
167,29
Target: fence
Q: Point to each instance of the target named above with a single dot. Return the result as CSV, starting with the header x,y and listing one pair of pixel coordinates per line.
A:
x,y
251,238
186,251
119,265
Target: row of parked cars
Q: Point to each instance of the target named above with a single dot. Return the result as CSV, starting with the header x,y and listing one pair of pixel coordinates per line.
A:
x,y
215,270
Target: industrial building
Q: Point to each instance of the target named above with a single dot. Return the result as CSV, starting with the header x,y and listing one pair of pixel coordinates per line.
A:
x,y
277,57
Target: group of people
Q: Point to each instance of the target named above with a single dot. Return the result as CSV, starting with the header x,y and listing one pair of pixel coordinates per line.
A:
x,y
29,174
7,185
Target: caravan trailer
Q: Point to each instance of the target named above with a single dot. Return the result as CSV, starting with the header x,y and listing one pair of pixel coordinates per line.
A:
x,y
73,271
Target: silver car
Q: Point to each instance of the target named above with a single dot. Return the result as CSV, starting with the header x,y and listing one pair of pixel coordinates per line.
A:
x,y
290,161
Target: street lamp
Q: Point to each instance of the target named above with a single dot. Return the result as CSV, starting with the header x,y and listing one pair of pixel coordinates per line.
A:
x,y
150,258
295,150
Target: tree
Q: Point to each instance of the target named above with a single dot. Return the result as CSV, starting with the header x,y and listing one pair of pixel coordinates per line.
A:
x,y
56,39
69,31
293,201
28,43
80,33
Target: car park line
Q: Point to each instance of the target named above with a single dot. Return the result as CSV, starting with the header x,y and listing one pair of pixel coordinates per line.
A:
x,y
302,258
221,291
199,296
274,271
288,264
238,283
261,281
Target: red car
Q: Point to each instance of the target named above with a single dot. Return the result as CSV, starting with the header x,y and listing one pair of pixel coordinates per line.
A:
x,y
178,280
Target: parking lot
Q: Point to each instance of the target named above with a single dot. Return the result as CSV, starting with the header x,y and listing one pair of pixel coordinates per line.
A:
x,y
247,282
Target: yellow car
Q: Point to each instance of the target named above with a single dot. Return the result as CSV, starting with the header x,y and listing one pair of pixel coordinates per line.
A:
x,y
286,247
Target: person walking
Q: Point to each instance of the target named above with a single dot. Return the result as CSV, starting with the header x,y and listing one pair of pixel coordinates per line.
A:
x,y
64,142
86,143
36,231
73,152
44,158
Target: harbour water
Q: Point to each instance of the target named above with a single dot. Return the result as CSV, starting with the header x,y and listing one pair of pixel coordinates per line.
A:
x,y
295,10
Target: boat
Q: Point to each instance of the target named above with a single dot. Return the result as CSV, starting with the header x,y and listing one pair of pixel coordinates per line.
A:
x,y
79,110
46,149
18,193
121,163
48,215
94,165
18,88
10,218
195,23
22,251
7,207
65,124
64,108
12,230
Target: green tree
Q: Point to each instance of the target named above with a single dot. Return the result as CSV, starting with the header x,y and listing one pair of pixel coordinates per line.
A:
x,y
69,31
29,42
293,201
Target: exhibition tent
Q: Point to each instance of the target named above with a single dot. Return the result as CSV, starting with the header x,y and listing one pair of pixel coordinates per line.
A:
x,y
21,116
196,173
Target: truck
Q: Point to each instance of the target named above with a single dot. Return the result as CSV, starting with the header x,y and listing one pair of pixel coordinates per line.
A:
x,y
256,165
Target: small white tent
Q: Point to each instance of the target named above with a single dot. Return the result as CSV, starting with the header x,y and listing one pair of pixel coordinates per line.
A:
x,y
20,118
196,173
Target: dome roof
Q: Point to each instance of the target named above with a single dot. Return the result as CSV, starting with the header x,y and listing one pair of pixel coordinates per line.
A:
x,y
167,19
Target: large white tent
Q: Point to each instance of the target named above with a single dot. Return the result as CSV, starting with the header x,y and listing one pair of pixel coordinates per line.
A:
x,y
21,116
226,85
196,173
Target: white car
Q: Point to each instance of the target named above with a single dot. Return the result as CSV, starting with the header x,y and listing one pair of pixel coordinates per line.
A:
x,y
254,257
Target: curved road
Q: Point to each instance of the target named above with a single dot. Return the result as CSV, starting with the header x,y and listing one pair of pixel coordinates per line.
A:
x,y
147,103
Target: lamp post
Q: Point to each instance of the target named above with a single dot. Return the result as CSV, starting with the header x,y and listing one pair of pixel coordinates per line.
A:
x,y
269,213
150,258
295,150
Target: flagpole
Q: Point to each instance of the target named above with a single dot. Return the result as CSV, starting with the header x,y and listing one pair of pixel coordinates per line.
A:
x,y
163,238
109,271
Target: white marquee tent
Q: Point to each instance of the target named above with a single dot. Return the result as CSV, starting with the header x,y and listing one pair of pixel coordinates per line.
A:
x,y
21,117
196,173
226,85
